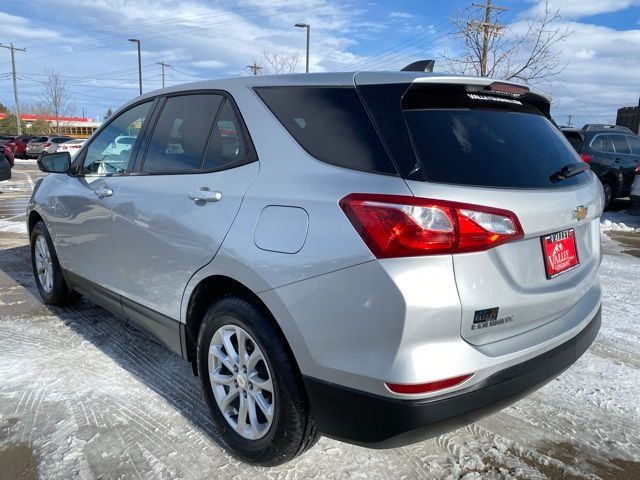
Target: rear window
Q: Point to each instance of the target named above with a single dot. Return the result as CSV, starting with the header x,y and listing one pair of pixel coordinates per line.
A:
x,y
39,139
483,140
331,124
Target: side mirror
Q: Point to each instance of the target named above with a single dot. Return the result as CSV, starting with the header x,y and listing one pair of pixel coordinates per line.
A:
x,y
55,162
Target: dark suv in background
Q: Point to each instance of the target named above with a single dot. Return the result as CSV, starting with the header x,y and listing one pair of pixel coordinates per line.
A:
x,y
613,153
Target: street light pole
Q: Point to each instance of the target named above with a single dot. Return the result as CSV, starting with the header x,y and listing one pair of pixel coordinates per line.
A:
x,y
308,27
135,40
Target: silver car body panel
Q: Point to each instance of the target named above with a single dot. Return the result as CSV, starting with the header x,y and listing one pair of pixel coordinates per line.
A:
x,y
410,316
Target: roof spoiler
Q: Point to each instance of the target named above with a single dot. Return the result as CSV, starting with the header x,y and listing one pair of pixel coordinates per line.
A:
x,y
420,66
600,126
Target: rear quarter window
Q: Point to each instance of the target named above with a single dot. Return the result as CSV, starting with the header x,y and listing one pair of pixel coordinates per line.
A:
x,y
331,124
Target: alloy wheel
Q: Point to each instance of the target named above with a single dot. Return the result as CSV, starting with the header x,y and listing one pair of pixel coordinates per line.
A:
x,y
44,264
241,381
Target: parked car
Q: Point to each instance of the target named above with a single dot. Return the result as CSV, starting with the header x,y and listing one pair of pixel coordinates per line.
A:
x,y
5,164
120,144
19,145
44,145
6,139
8,155
613,153
635,189
71,146
377,257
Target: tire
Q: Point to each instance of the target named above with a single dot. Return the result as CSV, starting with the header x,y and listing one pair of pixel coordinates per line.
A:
x,y
54,290
608,193
292,429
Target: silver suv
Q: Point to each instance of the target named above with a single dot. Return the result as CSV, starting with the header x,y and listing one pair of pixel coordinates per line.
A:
x,y
44,145
375,257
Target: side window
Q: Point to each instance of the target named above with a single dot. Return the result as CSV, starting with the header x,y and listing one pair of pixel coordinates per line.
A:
x,y
180,136
331,124
229,144
620,144
105,155
602,143
634,143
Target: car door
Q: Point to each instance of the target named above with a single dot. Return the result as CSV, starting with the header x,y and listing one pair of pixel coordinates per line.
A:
x,y
82,220
602,155
175,210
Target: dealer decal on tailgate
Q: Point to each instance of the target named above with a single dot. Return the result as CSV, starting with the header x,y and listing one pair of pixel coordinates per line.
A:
x,y
560,252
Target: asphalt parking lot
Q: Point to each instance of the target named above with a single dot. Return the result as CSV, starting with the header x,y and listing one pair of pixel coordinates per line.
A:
x,y
83,395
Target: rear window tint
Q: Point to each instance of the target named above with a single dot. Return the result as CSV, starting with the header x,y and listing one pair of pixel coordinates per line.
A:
x,y
467,135
602,143
331,124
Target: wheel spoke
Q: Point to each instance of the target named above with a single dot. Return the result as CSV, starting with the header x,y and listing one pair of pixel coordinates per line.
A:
x,y
226,401
221,378
266,408
216,351
253,416
260,383
242,415
242,346
228,346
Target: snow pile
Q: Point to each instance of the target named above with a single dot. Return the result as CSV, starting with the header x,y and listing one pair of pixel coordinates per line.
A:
x,y
13,227
619,222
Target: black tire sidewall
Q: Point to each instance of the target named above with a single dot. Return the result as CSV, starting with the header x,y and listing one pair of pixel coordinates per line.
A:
x,y
285,435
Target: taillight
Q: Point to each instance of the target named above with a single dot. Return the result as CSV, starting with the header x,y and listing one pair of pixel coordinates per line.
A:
x,y
585,158
427,387
401,226
47,144
638,170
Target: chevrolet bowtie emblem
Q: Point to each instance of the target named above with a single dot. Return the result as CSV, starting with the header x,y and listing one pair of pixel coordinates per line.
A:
x,y
580,213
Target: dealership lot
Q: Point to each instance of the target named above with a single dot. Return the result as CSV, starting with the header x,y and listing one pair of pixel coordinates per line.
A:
x,y
83,395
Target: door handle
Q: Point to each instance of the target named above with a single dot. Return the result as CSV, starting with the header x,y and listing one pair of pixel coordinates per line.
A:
x,y
102,192
205,195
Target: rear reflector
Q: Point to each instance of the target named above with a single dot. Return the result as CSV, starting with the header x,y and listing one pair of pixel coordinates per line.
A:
x,y
401,226
585,158
427,387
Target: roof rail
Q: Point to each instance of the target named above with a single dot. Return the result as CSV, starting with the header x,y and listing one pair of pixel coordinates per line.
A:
x,y
420,66
602,126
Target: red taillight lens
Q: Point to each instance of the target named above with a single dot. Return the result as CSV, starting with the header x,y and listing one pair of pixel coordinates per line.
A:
x,y
427,387
585,158
638,170
401,226
47,144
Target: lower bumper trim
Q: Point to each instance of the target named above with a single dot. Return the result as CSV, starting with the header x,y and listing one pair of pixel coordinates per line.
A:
x,y
375,421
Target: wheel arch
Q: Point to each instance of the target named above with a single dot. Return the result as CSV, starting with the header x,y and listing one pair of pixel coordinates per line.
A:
x,y
206,292
34,217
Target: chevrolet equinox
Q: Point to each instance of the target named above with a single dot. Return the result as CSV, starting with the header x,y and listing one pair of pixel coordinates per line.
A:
x,y
375,257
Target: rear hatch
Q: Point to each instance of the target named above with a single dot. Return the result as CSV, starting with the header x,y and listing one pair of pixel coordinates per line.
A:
x,y
493,145
36,144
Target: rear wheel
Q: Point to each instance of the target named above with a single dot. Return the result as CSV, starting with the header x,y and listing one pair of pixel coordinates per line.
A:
x,y
252,386
46,269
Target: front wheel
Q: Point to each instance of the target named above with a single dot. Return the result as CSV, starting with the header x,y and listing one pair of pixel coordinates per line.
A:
x,y
252,385
46,269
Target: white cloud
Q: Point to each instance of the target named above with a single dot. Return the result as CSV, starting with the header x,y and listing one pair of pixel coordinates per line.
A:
x,y
400,15
582,8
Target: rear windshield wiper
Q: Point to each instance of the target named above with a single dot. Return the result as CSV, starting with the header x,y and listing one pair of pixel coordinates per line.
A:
x,y
569,171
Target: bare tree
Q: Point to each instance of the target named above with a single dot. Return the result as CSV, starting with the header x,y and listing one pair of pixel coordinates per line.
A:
x,y
56,98
529,53
280,62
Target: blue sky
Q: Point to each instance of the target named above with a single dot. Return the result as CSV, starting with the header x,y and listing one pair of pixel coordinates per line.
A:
x,y
86,42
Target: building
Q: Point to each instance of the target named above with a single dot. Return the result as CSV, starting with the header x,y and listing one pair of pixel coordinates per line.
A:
x,y
629,117
77,127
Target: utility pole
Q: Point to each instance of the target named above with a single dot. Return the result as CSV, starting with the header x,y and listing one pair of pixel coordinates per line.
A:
x,y
488,30
569,121
15,83
162,65
255,68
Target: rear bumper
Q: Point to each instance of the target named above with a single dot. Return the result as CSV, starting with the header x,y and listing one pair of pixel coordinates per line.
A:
x,y
381,422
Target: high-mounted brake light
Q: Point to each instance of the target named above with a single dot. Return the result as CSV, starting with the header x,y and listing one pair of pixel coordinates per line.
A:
x,y
48,144
402,226
509,89
586,158
427,387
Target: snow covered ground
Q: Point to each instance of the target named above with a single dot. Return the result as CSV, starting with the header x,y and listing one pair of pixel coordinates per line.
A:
x,y
84,396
